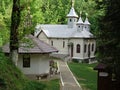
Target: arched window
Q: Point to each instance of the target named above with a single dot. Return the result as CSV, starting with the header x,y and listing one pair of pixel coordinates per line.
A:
x,y
52,43
85,46
63,44
92,47
78,48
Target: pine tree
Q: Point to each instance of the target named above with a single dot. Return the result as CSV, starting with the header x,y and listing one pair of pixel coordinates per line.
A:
x,y
109,41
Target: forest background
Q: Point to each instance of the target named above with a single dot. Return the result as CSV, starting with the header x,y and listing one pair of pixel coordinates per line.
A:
x,y
46,12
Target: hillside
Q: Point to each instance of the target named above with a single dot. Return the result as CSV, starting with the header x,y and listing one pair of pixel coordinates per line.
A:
x,y
11,77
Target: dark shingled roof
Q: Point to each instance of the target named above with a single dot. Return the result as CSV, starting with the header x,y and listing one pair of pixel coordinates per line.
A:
x,y
38,46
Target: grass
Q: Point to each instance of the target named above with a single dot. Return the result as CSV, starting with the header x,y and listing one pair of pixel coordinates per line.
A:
x,y
52,84
0,41
85,75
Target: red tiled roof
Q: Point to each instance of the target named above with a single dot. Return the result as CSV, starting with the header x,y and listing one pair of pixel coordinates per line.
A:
x,y
37,47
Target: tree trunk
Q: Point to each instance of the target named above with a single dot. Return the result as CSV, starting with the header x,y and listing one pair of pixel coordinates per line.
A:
x,y
15,21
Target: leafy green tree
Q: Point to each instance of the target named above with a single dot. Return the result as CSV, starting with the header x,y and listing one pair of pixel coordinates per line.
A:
x,y
109,41
5,14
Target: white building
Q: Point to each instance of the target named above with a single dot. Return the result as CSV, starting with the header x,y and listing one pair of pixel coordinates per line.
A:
x,y
33,60
73,39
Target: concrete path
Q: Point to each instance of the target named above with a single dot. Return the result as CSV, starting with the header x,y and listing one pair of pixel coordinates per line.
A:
x,y
68,81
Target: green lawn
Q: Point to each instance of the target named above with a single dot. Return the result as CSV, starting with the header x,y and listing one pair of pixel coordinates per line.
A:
x,y
85,75
52,84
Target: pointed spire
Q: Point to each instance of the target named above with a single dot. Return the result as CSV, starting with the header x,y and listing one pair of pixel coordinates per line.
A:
x,y
72,12
80,21
86,20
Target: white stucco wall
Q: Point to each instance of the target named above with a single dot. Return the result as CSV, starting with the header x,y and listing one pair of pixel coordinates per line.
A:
x,y
58,43
38,64
75,42
92,53
43,37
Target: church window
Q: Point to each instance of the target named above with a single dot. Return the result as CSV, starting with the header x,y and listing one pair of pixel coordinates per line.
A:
x,y
52,43
92,47
26,60
78,48
63,44
85,46
70,20
74,19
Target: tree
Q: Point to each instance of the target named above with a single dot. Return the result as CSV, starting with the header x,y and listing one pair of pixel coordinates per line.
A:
x,y
109,41
15,22
5,14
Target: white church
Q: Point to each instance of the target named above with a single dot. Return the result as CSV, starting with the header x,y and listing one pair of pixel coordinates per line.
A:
x,y
73,40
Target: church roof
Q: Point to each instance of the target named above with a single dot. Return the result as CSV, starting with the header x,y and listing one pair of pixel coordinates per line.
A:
x,y
86,21
80,21
62,31
72,13
37,46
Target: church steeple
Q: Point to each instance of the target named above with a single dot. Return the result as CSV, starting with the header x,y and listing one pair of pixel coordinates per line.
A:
x,y
87,23
72,16
80,23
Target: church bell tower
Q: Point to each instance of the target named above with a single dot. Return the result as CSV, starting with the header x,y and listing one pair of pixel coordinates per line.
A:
x,y
72,17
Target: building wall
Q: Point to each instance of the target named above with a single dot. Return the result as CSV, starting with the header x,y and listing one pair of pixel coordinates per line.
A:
x,y
75,42
38,64
43,37
60,43
92,53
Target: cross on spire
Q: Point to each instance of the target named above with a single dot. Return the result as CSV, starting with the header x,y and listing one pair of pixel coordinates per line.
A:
x,y
73,1
80,13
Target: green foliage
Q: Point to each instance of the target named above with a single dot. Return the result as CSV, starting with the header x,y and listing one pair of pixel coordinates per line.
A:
x,y
52,84
46,12
85,75
34,85
109,41
5,14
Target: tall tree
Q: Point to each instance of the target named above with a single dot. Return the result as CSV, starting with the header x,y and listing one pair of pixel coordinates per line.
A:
x,y
15,21
109,41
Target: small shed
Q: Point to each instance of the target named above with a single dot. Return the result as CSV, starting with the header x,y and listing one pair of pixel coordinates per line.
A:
x,y
33,60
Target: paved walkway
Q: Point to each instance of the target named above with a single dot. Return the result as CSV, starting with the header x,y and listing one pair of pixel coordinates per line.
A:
x,y
68,81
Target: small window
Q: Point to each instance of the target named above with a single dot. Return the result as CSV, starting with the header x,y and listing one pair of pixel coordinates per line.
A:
x,y
74,20
79,26
70,20
26,60
78,48
63,44
85,46
52,43
92,47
